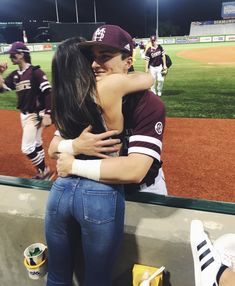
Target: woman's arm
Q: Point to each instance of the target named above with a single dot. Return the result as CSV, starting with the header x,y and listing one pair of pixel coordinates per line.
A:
x,y
122,84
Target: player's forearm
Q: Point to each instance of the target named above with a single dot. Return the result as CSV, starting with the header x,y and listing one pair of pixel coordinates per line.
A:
x,y
1,83
164,61
122,170
146,66
130,169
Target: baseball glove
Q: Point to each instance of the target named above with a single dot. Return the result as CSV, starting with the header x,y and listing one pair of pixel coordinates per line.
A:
x,y
164,72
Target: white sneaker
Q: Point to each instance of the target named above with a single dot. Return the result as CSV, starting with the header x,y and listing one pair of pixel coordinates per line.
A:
x,y
225,246
159,93
207,261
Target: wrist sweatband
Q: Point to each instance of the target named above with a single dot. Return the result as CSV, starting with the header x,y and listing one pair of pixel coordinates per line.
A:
x,y
87,168
66,146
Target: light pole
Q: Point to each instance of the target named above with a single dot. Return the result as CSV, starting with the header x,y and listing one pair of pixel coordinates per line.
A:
x,y
95,12
56,10
76,9
157,18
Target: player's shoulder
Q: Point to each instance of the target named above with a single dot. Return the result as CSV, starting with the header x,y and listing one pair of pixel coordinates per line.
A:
x,y
38,72
152,99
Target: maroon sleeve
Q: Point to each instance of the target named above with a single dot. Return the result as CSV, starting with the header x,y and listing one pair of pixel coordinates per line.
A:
x,y
148,127
44,87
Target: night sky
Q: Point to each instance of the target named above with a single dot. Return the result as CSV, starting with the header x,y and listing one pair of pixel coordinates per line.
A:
x,y
138,17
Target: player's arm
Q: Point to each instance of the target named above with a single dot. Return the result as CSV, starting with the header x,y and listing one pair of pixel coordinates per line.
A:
x,y
5,84
129,169
146,63
164,60
46,120
147,59
1,82
87,143
45,88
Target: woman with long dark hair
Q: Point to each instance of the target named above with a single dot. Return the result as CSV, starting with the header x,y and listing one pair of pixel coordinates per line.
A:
x,y
80,100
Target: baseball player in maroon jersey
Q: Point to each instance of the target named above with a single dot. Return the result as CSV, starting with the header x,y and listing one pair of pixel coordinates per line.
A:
x,y
155,64
142,49
33,93
144,116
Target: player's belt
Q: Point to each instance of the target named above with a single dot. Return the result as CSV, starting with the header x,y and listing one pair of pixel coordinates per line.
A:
x,y
131,188
145,185
28,112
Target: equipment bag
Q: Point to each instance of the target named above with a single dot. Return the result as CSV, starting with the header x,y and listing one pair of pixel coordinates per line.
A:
x,y
168,61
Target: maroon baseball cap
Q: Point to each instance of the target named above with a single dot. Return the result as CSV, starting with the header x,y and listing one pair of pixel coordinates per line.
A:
x,y
18,47
111,36
153,38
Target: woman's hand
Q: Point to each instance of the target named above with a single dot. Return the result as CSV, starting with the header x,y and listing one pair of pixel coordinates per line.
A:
x,y
64,164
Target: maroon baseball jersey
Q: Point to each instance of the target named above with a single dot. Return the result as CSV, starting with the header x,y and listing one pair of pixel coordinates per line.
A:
x,y
32,88
147,122
154,55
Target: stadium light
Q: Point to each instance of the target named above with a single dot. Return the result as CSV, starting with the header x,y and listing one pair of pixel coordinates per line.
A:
x,y
76,9
95,12
157,18
56,10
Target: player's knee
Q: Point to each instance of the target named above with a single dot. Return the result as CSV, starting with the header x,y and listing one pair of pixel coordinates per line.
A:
x,y
27,149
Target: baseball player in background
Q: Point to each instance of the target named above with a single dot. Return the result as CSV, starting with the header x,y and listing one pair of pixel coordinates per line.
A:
x,y
142,50
156,64
34,102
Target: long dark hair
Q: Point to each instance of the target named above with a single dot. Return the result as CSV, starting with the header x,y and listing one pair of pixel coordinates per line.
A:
x,y
73,91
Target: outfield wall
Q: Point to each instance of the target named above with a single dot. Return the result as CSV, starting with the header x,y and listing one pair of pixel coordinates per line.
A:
x,y
166,41
155,234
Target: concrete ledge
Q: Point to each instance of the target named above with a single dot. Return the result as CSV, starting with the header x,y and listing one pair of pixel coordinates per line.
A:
x,y
155,235
170,201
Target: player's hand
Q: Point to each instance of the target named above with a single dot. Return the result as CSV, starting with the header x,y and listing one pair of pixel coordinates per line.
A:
x,y
95,144
3,67
64,164
46,120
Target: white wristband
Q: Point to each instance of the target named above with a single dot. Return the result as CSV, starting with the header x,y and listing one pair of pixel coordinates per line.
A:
x,y
66,146
87,168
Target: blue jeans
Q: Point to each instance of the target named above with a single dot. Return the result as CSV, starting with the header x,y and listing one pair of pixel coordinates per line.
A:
x,y
99,210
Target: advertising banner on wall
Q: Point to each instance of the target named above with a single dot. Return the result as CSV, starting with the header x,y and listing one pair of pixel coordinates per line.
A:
x,y
181,40
230,38
193,39
228,10
169,41
218,38
205,39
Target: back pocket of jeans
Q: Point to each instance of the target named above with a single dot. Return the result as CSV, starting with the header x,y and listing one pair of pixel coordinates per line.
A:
x,y
54,198
99,206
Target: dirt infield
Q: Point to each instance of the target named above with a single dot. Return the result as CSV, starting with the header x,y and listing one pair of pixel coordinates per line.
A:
x,y
198,155
212,55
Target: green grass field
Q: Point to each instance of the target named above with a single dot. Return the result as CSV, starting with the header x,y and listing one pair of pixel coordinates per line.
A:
x,y
191,89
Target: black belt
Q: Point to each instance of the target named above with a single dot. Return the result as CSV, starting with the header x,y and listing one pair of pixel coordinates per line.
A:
x,y
145,185
29,112
131,188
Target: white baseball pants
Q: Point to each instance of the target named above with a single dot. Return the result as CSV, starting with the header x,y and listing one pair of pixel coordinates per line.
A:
x,y
159,186
156,72
32,134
